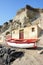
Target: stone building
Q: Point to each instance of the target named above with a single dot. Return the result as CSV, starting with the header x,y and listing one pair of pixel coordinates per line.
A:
x,y
31,32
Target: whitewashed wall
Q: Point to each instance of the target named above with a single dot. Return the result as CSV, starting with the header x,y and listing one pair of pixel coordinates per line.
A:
x,y
28,34
15,34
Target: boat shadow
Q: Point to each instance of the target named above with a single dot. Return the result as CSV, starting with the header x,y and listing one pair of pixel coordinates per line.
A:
x,y
38,48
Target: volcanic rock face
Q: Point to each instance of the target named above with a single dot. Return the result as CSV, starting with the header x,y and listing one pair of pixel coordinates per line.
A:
x,y
8,55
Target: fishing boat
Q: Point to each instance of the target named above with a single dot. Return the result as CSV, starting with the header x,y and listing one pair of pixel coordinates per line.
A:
x,y
22,43
24,37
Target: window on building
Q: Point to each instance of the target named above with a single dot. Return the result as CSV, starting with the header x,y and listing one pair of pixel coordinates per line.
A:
x,y
7,33
13,31
33,29
8,36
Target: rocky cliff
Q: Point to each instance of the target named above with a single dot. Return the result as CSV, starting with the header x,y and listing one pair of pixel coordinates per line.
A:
x,y
25,17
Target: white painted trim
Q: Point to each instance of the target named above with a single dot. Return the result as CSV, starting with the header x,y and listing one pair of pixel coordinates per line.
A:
x,y
21,45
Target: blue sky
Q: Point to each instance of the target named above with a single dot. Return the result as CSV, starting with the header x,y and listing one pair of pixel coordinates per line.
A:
x,y
8,8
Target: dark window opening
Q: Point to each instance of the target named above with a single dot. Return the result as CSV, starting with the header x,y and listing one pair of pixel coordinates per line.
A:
x,y
7,33
33,29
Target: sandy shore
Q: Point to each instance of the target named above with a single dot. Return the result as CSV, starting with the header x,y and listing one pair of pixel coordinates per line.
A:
x,y
31,57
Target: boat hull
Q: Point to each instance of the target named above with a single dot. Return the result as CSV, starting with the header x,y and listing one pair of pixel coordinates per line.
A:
x,y
23,45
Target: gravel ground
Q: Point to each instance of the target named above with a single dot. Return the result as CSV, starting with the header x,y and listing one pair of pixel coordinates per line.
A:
x,y
31,57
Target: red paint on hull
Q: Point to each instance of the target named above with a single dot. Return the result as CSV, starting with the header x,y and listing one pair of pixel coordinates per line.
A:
x,y
23,41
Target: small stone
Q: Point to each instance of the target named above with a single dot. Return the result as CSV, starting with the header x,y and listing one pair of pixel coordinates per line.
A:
x,y
40,52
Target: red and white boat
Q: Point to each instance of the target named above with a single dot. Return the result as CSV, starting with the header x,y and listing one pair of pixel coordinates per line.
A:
x,y
23,43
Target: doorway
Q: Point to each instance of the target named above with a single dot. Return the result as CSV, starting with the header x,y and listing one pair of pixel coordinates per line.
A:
x,y
21,34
